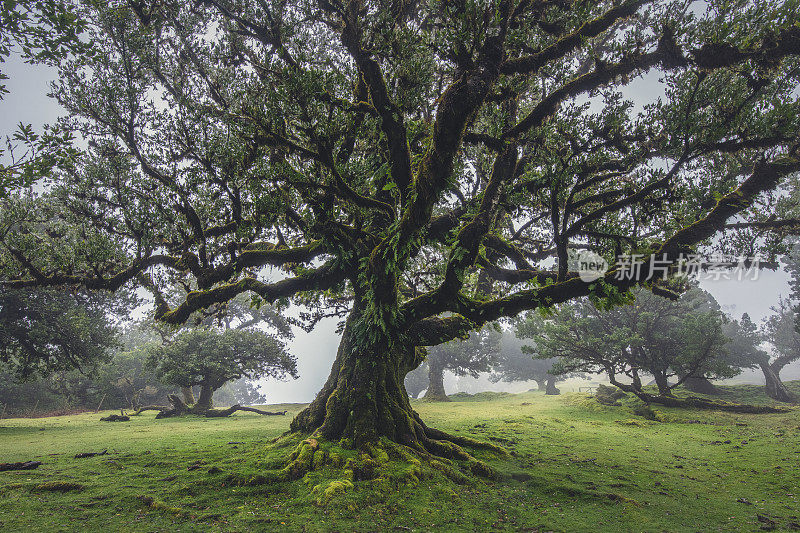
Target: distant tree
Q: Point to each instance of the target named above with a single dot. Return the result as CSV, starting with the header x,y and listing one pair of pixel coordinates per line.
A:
x,y
24,398
517,362
239,392
209,359
652,335
471,356
240,313
48,330
123,381
128,381
781,332
417,380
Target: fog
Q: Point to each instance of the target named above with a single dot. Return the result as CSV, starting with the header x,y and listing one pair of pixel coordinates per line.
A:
x,y
316,350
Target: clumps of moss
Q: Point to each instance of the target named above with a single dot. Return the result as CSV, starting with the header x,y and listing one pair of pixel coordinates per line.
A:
x,y
606,395
302,459
451,473
479,468
57,486
326,491
362,468
157,505
631,422
333,469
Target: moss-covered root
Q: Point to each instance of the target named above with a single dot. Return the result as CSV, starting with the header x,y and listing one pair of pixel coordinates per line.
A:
x,y
464,441
326,491
302,459
382,462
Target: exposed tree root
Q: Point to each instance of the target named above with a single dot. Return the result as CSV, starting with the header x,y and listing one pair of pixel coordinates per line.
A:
x,y
362,427
702,403
697,403
179,408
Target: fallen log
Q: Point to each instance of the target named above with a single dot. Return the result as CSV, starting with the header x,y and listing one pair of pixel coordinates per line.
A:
x,y
180,408
26,465
149,408
211,413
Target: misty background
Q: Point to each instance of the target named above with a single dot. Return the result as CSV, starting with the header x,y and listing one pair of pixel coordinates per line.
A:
x,y
28,102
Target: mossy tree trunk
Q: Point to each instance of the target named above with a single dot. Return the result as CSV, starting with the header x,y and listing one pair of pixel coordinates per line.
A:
x,y
774,387
364,397
662,383
364,400
205,400
435,390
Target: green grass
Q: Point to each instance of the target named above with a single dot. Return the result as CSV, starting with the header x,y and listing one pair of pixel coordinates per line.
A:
x,y
574,466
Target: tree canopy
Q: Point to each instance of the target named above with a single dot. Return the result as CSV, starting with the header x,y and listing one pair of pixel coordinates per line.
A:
x,y
47,330
385,161
210,359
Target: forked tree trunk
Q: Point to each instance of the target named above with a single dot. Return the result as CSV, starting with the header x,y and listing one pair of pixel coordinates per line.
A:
x,y
435,392
774,387
188,395
541,384
700,385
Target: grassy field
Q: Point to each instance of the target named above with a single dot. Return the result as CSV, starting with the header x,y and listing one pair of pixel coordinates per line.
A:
x,y
574,466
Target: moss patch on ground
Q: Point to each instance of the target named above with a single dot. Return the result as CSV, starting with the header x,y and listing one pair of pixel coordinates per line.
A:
x,y
574,465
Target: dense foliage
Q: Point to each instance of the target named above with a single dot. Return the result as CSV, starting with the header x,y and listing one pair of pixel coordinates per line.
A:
x,y
671,341
44,32
408,166
46,330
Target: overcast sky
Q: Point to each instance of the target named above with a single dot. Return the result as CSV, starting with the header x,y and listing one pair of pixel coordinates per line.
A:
x,y
28,103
